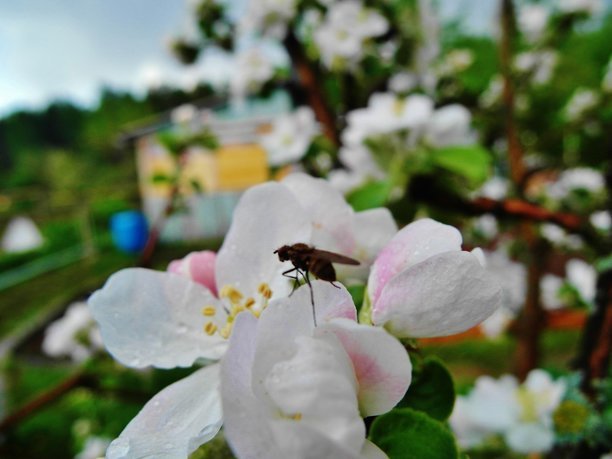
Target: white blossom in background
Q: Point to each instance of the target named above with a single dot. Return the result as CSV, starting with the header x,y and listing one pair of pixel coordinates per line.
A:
x,y
532,20
522,414
387,113
601,220
580,6
344,31
94,448
450,126
495,325
490,408
580,178
268,17
360,168
494,188
184,114
74,335
540,65
20,235
290,137
252,69
580,103
549,291
403,82
296,390
558,236
486,225
456,61
584,277
493,93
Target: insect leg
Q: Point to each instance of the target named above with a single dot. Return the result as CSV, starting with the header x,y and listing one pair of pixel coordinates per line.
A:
x,y
314,314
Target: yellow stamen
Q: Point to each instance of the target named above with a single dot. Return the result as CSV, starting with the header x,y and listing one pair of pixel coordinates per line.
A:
x,y
265,291
226,331
210,328
296,417
209,311
237,309
248,304
231,293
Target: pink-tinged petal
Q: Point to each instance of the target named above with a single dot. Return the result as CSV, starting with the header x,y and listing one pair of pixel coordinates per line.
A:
x,y
176,421
199,267
330,216
372,229
154,318
411,245
287,318
267,217
318,383
245,428
443,295
381,364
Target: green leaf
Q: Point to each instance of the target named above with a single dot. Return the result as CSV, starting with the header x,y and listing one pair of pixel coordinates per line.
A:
x,y
404,433
473,162
159,178
431,391
357,292
370,195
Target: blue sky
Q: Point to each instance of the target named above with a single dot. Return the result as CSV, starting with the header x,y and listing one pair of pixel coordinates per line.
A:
x,y
52,49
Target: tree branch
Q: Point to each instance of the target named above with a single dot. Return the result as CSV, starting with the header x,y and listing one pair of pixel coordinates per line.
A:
x,y
308,80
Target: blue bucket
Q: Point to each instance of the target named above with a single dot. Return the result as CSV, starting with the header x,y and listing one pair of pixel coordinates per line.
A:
x,y
129,231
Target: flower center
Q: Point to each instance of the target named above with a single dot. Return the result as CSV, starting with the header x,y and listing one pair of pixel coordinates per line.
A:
x,y
235,298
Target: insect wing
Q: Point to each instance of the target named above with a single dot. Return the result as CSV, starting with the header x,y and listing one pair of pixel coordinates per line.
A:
x,y
334,257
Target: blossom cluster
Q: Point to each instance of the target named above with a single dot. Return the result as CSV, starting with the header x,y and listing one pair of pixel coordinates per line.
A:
x,y
521,413
288,383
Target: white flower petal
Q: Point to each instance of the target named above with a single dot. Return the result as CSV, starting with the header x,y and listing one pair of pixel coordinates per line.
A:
x,y
325,207
267,217
318,384
380,362
411,245
286,318
530,438
445,294
176,421
154,318
247,436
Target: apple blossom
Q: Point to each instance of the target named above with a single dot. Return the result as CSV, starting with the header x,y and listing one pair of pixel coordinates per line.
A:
x,y
602,220
579,178
346,26
268,17
423,284
75,334
549,288
253,68
291,389
521,414
290,137
584,277
532,20
582,101
167,320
